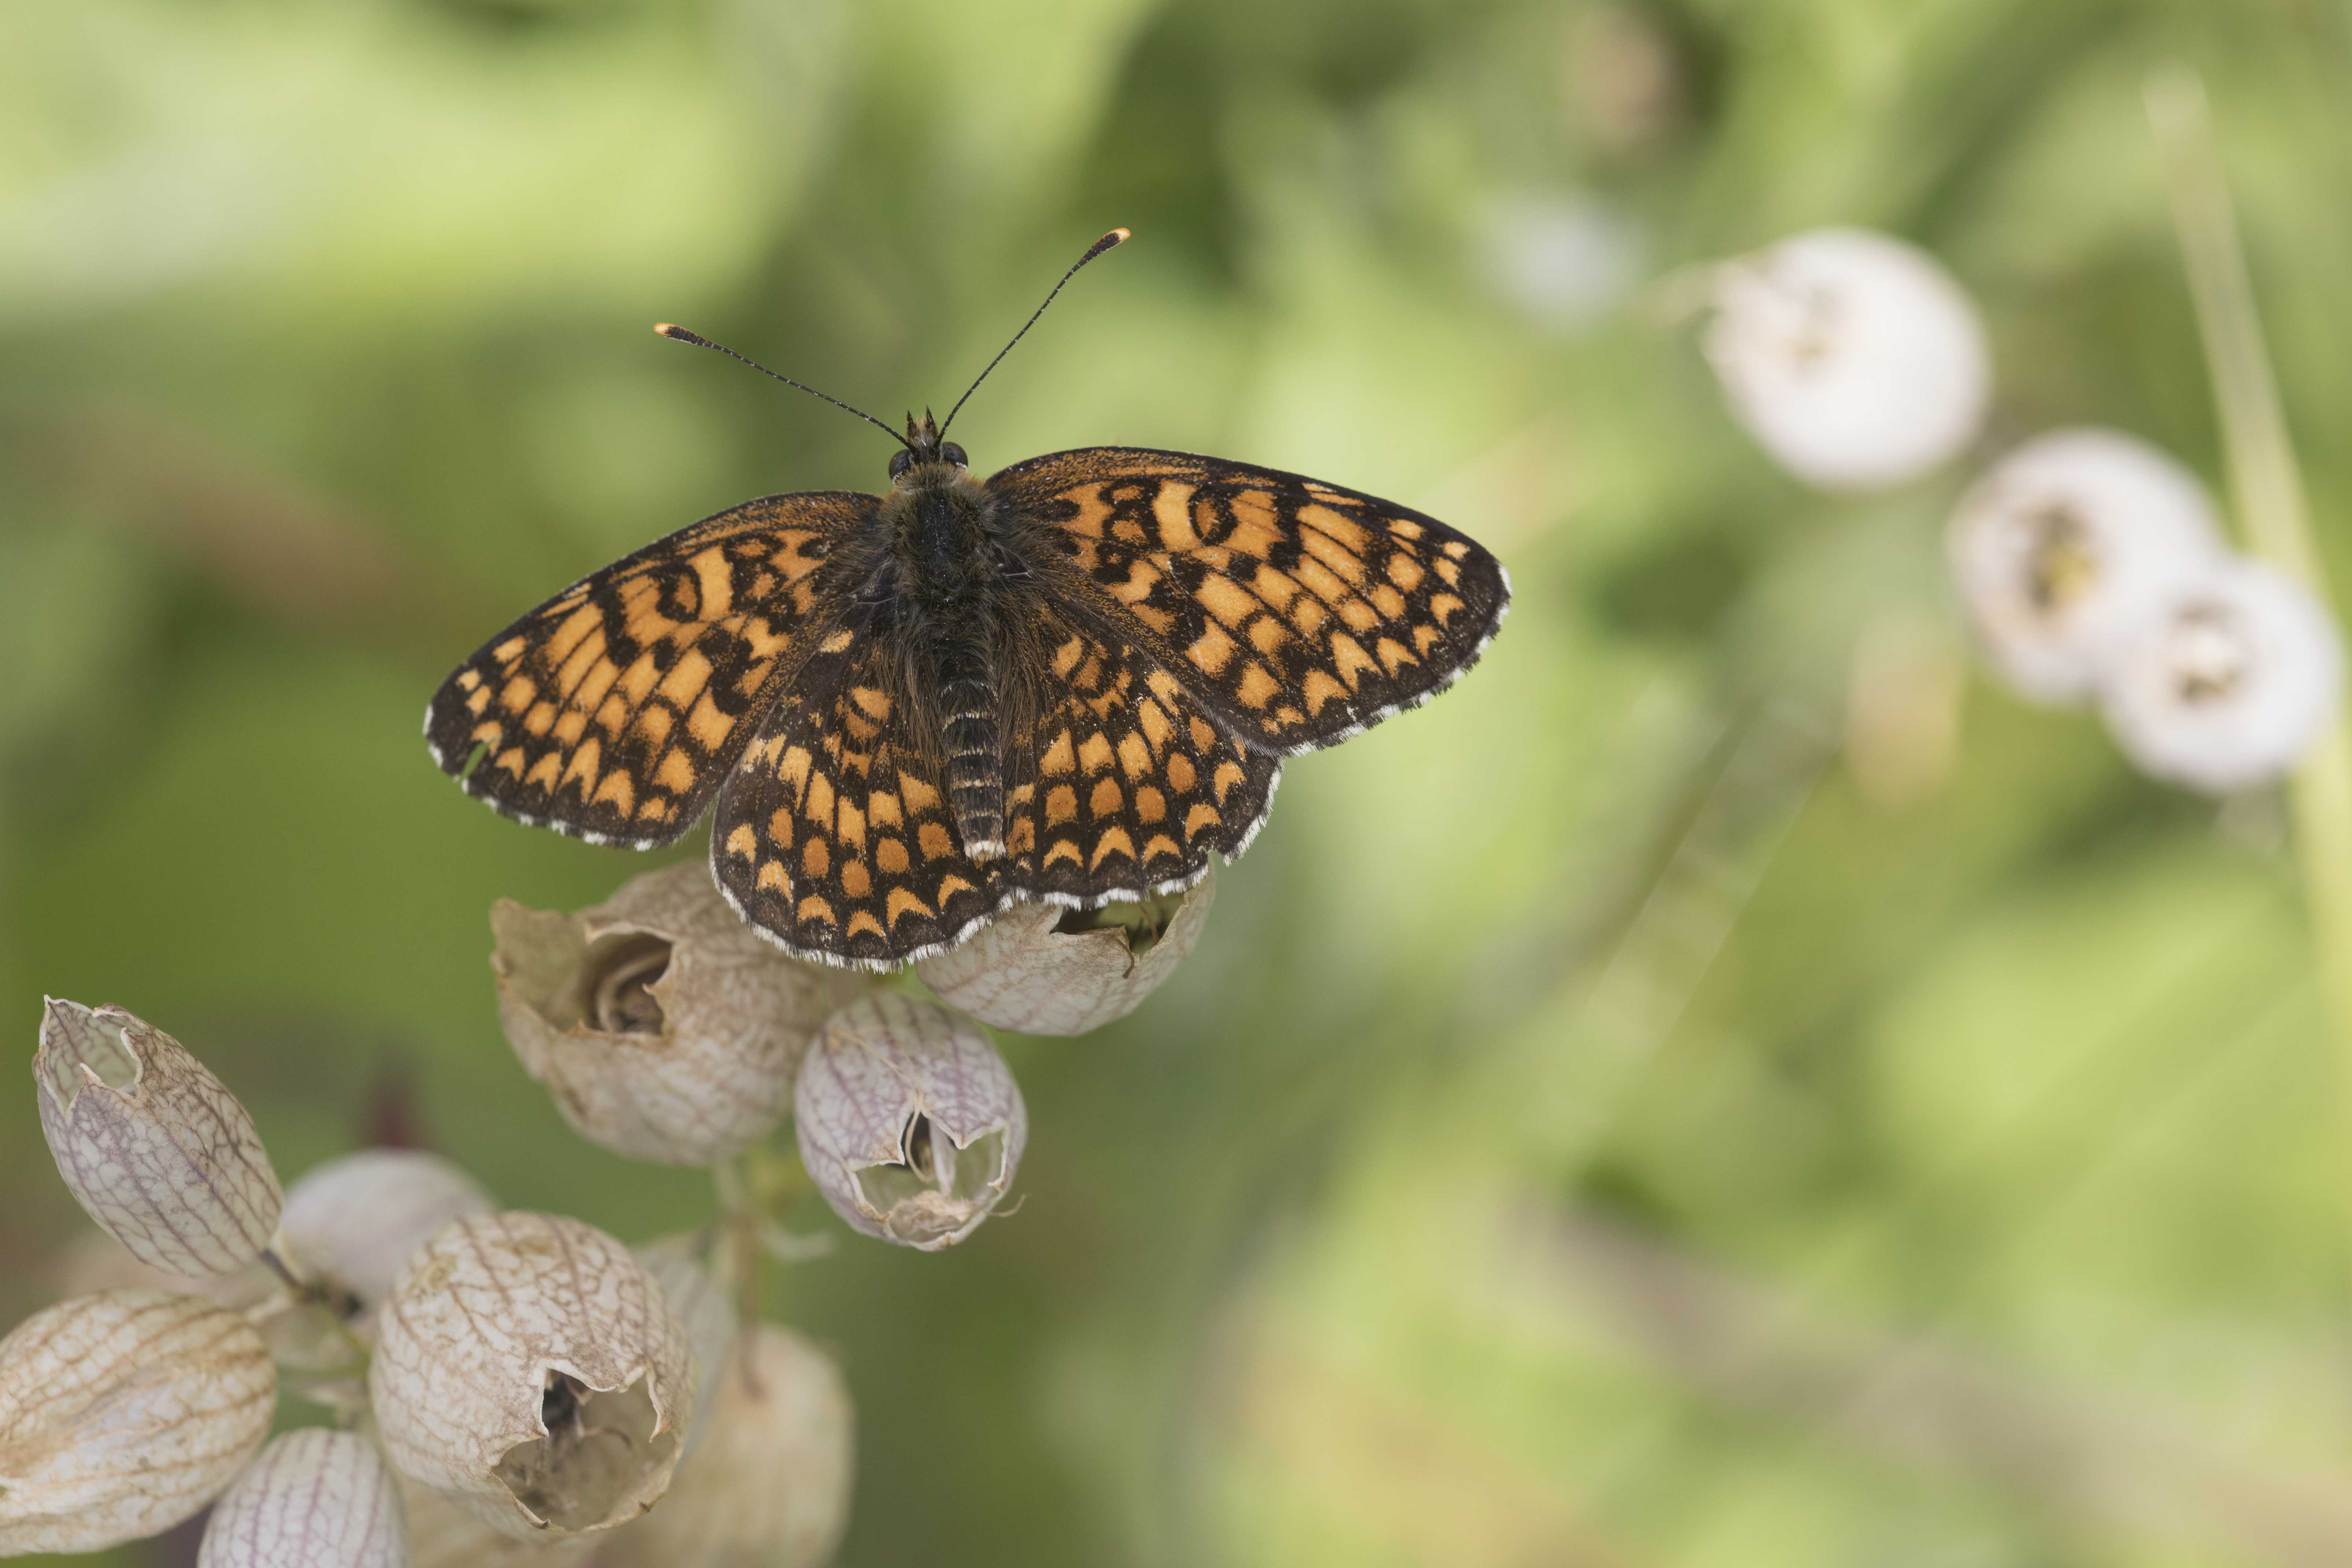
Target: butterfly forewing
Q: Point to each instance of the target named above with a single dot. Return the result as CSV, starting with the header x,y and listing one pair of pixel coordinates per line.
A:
x,y
1300,612
613,710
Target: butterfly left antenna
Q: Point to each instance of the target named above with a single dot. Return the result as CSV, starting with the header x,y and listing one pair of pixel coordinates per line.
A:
x,y
1111,241
667,330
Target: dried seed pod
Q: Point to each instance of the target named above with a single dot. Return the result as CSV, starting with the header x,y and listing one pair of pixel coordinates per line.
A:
x,y
769,1487
1854,360
445,1534
154,1147
356,1219
528,1367
909,1123
2064,544
664,1026
1043,970
315,1499
2227,680
122,1413
701,1308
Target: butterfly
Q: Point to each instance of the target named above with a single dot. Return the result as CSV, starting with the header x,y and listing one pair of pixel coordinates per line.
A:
x,y
1072,681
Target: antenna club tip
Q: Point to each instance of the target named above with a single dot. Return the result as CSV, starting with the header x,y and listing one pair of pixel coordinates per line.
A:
x,y
1120,235
667,328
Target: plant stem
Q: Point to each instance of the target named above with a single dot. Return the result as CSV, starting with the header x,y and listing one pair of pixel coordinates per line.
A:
x,y
2266,488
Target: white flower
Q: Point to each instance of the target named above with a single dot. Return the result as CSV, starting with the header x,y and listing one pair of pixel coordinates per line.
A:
x,y
1853,359
770,1483
528,1367
122,1413
2227,679
2064,544
664,1026
1028,969
909,1123
315,1499
155,1148
357,1218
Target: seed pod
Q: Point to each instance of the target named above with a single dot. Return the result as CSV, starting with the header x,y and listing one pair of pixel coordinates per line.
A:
x,y
122,1413
356,1219
665,1027
1854,360
315,1499
2226,682
445,1534
702,1309
769,1487
155,1148
1043,970
2063,547
527,1366
909,1123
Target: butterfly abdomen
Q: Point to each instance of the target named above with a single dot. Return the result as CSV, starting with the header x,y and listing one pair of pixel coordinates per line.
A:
x,y
973,737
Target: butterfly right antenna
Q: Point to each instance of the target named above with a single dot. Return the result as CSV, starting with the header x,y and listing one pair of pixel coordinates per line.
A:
x,y
667,330
1107,242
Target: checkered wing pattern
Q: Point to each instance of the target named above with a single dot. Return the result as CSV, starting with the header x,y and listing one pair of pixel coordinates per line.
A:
x,y
612,710
1297,612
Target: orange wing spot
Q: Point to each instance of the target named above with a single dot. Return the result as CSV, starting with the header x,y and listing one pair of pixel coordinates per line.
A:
x,y
545,772
1275,587
815,908
577,662
1266,634
674,774
1344,530
1093,753
540,719
1202,816
882,809
614,715
901,903
856,880
1404,528
792,768
510,651
863,920
478,701
618,791
950,885
1141,578
1449,573
933,839
654,811
1405,572
1456,548
1212,651
520,692
837,643
1092,512
744,841
1105,799
1333,554
1134,756
748,684
1348,655
512,760
717,581
1114,841
1426,636
1443,608
1065,849
1393,655
851,829
1359,616
1181,773
1225,599
871,701
1257,688
1058,757
1387,601
652,728
1320,581
637,682
1022,836
1223,781
1288,718
1203,737
1157,726
919,796
818,802
1159,844
1321,689
686,678
780,828
772,878
1150,805
706,724
468,679
1061,805
585,763
890,854
571,726
1065,658
1171,509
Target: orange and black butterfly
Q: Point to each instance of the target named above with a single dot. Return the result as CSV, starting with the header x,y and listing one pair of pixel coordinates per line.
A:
x,y
1070,681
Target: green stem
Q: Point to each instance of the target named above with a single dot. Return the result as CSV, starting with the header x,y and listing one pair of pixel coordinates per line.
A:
x,y
2266,487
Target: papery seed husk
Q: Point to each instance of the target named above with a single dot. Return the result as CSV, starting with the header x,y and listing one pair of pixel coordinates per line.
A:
x,y
443,1533
314,1499
154,1148
122,1413
475,1346
731,1018
1021,973
680,1265
357,1218
770,1486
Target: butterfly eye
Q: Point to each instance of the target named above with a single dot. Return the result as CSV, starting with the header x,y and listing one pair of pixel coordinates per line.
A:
x,y
954,454
901,462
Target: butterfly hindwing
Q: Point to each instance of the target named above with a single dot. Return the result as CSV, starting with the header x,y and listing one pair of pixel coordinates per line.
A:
x,y
612,710
1301,612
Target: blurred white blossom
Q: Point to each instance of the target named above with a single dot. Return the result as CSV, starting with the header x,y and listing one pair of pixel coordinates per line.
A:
x,y
122,1413
1026,971
1855,360
315,1499
909,1123
2066,544
1564,261
154,1147
2226,681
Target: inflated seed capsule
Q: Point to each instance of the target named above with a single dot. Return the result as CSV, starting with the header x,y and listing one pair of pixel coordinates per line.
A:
x,y
1043,970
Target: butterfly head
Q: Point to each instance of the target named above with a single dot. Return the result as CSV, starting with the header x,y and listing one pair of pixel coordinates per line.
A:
x,y
924,449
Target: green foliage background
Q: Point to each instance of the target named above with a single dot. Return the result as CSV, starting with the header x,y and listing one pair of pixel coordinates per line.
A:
x,y
1598,1127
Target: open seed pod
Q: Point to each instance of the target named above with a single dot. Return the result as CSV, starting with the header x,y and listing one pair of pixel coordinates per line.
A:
x,y
665,1027
1040,969
528,1367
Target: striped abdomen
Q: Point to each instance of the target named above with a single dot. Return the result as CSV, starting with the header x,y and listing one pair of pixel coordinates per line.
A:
x,y
973,738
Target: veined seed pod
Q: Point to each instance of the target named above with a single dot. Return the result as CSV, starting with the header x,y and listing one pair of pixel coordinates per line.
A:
x,y
664,1026
1854,360
122,1413
2062,546
1043,970
315,1499
528,1367
356,1219
153,1146
702,1309
769,1484
909,1123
